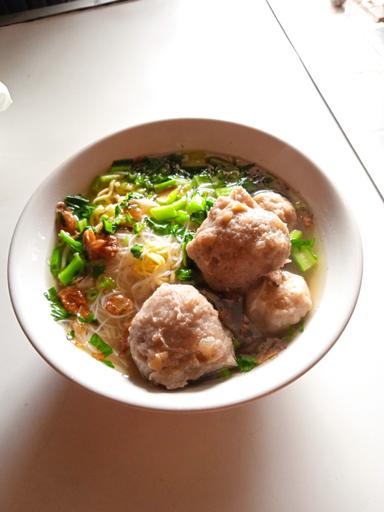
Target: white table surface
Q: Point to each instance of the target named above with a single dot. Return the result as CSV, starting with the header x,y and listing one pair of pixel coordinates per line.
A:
x,y
347,66
315,446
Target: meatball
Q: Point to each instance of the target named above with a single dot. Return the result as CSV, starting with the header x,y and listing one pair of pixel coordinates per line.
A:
x,y
276,203
177,337
238,243
281,299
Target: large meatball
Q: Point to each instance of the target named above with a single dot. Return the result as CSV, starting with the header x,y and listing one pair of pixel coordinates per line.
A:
x,y
177,336
282,299
238,243
276,203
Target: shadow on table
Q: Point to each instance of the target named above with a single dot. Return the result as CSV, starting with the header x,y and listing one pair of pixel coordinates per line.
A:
x,y
90,454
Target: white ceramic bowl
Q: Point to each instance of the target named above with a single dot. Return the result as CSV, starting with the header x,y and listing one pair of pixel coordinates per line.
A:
x,y
340,276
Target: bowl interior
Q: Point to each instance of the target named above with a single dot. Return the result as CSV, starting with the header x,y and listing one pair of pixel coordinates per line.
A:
x,y
340,274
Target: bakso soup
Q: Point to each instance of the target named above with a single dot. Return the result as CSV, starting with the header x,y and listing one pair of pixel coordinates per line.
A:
x,y
184,267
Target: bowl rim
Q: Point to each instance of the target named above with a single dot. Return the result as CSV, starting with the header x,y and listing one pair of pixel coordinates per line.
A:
x,y
226,403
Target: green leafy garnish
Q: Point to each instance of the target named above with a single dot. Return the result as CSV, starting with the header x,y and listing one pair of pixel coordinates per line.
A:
x,y
121,220
159,228
89,319
246,363
108,363
58,311
79,205
131,195
184,274
199,217
138,227
108,224
121,165
98,342
106,283
137,250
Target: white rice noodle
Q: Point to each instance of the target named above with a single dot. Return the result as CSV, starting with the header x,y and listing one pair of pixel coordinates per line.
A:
x,y
139,277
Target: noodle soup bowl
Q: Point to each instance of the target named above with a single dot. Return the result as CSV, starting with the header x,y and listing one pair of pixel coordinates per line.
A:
x,y
337,278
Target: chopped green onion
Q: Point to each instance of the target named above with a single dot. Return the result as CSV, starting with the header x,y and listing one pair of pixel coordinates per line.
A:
x,y
98,342
109,226
246,363
55,261
302,250
82,224
184,274
179,205
304,257
71,242
58,311
169,199
72,270
107,178
164,185
138,227
108,363
137,250
124,219
182,217
169,211
162,213
200,179
106,283
196,204
89,319
295,236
